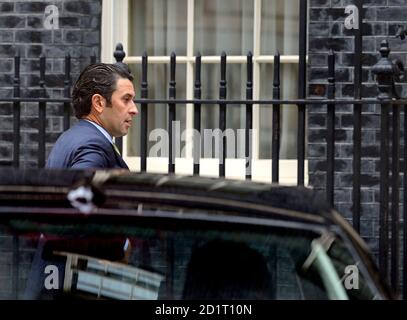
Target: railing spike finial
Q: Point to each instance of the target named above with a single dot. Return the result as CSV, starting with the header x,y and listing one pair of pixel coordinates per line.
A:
x,y
119,53
387,72
384,49
384,72
276,77
249,71
42,72
173,61
93,57
331,66
198,70
223,70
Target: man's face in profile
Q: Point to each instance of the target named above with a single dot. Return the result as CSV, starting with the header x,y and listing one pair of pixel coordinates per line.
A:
x,y
117,117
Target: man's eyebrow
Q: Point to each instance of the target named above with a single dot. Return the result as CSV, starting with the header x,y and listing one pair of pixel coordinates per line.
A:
x,y
127,95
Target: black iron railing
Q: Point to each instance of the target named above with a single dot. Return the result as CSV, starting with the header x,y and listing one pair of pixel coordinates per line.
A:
x,y
386,72
42,101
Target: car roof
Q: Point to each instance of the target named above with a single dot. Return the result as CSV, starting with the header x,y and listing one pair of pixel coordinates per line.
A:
x,y
117,186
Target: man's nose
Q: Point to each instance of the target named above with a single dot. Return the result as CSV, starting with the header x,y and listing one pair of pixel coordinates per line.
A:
x,y
133,110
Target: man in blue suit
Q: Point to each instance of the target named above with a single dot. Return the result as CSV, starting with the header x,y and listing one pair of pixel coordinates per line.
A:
x,y
102,100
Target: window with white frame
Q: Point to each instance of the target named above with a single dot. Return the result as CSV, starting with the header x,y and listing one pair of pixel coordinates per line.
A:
x,y
186,27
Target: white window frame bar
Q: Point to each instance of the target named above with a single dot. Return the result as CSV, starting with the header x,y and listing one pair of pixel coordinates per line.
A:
x,y
115,22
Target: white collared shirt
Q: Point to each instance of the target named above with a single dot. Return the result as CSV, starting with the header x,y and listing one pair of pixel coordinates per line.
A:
x,y
101,129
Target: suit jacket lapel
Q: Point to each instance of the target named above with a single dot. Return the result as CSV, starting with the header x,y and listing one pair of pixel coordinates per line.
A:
x,y
119,159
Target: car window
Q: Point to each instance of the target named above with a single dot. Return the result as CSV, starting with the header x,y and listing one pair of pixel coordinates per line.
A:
x,y
157,258
349,268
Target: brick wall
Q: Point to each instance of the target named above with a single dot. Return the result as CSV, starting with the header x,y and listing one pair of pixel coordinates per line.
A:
x,y
326,30
22,31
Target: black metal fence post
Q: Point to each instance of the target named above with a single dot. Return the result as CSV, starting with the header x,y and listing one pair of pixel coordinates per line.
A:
x,y
197,114
67,93
401,33
302,85
144,114
384,71
357,120
119,55
42,116
249,117
395,217
330,135
405,208
222,116
275,139
398,70
16,113
171,116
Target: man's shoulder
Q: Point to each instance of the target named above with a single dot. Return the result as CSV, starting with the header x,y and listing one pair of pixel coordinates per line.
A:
x,y
82,141
83,132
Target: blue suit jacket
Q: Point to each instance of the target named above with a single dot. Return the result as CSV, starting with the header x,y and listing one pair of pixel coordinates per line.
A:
x,y
84,147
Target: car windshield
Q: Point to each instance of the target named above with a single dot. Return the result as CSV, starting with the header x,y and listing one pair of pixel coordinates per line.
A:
x,y
158,258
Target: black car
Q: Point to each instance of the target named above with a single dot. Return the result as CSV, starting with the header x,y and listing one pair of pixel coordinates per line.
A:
x,y
122,235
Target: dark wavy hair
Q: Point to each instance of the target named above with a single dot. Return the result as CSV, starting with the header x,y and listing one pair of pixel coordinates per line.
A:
x,y
97,78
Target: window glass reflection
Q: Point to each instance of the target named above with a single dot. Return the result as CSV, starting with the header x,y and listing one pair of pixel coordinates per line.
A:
x,y
235,114
158,84
225,25
288,113
279,26
158,27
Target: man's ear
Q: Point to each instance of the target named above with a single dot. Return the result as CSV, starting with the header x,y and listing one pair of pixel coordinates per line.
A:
x,y
98,103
